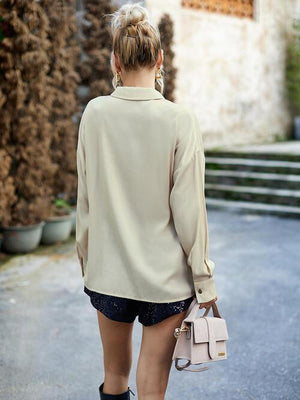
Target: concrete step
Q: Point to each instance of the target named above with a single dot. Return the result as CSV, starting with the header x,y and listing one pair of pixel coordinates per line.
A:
x,y
250,154
248,178
254,194
262,181
255,165
255,208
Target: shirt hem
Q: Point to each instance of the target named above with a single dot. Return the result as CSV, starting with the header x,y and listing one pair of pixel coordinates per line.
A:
x,y
138,298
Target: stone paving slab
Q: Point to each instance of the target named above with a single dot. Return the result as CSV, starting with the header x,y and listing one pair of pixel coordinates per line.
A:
x,y
50,343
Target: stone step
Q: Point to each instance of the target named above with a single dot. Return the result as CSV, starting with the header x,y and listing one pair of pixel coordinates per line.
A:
x,y
255,208
242,164
253,155
248,178
254,194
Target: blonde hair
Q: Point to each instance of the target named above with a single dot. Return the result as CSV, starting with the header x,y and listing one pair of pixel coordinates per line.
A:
x,y
135,39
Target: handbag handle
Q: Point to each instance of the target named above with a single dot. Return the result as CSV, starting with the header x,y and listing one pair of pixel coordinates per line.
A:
x,y
193,310
215,310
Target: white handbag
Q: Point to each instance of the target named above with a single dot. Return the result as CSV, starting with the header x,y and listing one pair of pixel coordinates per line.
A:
x,y
200,340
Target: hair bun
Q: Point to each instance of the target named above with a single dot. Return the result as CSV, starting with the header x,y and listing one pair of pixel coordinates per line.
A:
x,y
130,14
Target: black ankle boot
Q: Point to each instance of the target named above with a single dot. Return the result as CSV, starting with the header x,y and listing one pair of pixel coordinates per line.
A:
x,y
121,396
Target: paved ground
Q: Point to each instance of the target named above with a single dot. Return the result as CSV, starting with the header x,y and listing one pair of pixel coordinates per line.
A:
x,y
50,344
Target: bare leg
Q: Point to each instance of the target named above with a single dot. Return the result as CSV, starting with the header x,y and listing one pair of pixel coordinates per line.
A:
x,y
155,359
117,353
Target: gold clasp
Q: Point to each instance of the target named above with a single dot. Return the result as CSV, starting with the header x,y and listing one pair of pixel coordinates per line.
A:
x,y
177,331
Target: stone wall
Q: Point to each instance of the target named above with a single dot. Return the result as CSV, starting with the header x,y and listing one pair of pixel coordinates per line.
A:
x,y
231,70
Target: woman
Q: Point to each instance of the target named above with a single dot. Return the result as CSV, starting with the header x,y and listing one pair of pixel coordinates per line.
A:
x,y
141,227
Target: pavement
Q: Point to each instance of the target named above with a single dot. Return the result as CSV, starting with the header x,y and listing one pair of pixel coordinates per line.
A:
x,y
50,343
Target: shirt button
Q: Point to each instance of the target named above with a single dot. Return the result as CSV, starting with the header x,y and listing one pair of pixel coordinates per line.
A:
x,y
199,290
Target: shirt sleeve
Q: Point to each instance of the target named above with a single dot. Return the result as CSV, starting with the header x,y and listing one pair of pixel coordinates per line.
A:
x,y
82,208
187,202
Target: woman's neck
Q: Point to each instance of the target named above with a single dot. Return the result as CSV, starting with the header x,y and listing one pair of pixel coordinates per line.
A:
x,y
140,78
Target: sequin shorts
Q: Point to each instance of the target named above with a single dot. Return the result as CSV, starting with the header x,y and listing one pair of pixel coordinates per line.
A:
x,y
125,310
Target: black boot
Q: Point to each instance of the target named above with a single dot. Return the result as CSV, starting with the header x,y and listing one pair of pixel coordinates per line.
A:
x,y
121,396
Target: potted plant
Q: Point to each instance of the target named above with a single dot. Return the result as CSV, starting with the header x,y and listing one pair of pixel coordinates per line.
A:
x,y
22,210
58,227
293,76
26,167
64,52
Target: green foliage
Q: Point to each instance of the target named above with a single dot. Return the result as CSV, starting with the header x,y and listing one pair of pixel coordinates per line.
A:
x,y
293,69
278,137
60,203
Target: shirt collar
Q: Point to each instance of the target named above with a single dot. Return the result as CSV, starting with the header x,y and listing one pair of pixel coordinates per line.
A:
x,y
136,93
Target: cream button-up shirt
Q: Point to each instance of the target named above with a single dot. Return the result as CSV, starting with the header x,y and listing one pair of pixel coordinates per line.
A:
x,y
141,221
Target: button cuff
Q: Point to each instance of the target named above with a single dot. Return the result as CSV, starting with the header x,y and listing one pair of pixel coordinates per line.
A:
x,y
205,290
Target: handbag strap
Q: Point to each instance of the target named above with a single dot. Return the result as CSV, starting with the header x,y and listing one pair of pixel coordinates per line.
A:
x,y
184,367
193,310
215,310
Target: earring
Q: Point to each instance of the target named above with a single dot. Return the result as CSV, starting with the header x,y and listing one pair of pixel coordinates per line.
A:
x,y
158,74
117,79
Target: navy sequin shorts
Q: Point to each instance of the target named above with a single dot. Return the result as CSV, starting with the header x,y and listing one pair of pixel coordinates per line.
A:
x,y
125,310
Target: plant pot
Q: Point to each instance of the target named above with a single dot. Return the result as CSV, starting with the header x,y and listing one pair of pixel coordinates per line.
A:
x,y
22,239
73,213
297,127
57,229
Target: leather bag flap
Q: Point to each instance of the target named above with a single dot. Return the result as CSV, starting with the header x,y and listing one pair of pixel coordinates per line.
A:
x,y
216,326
